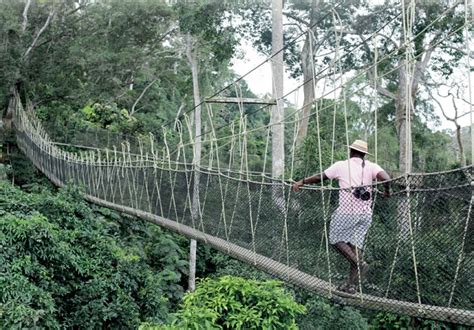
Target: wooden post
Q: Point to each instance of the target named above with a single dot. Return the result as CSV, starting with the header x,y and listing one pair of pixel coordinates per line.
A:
x,y
192,265
193,63
239,100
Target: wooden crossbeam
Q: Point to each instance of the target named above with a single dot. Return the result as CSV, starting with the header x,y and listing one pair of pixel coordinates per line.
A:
x,y
240,100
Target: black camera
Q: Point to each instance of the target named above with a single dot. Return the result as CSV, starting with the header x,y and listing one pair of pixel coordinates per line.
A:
x,y
361,193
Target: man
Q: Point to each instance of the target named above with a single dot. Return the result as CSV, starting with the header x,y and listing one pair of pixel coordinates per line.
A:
x,y
351,220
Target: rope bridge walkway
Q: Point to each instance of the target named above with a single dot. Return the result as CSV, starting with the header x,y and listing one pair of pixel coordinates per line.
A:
x,y
420,246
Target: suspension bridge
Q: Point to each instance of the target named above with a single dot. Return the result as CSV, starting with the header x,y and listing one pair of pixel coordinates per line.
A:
x,y
420,246
260,221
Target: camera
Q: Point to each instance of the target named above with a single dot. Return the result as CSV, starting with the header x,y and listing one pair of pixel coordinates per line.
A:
x,y
361,193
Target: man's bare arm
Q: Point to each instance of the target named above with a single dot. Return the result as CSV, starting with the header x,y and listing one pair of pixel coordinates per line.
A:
x,y
384,177
310,180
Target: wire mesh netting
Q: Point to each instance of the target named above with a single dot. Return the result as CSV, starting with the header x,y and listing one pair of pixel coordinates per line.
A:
x,y
419,243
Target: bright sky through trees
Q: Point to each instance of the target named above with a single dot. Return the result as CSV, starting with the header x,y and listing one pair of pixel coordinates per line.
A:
x,y
260,83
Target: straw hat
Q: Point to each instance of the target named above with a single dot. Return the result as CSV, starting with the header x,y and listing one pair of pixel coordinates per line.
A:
x,y
360,145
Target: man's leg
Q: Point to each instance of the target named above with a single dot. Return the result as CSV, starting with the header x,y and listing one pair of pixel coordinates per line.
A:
x,y
354,255
341,229
360,268
346,251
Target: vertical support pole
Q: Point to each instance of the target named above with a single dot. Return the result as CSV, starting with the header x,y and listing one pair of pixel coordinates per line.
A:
x,y
192,265
191,55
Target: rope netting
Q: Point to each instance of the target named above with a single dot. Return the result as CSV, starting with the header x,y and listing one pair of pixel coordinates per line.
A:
x,y
263,222
420,241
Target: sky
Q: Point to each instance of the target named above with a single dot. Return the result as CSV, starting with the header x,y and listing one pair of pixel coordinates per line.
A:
x,y
260,83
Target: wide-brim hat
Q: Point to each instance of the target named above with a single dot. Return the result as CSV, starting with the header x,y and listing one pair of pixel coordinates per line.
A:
x,y
360,146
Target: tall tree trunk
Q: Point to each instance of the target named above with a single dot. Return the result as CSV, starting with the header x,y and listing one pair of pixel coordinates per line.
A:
x,y
462,159
191,55
278,152
405,157
403,97
403,131
407,90
308,91
307,65
405,106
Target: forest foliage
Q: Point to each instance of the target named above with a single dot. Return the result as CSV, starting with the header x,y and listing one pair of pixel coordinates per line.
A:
x,y
119,68
67,264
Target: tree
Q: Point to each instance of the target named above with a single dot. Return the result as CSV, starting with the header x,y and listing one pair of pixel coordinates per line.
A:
x,y
86,51
236,303
312,58
195,207
278,152
203,29
366,29
437,38
67,264
454,96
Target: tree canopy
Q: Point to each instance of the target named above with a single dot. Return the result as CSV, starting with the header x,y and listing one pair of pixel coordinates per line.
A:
x,y
118,70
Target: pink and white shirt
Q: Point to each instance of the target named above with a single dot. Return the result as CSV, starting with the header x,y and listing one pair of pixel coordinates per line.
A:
x,y
349,175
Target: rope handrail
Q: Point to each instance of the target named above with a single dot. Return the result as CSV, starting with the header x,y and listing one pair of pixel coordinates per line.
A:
x,y
138,186
153,163
417,244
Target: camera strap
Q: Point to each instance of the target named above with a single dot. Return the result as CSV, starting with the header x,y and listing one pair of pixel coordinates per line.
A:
x,y
363,166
